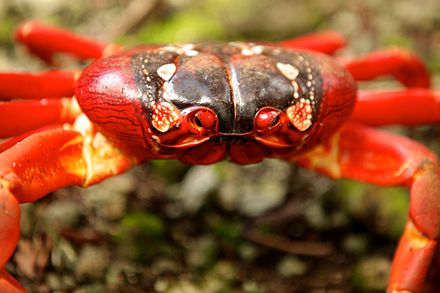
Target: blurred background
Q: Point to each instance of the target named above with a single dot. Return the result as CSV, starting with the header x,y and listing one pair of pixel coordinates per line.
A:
x,y
168,227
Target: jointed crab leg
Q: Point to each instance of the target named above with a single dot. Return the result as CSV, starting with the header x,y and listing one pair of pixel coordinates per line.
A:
x,y
45,89
325,42
10,142
44,41
50,84
404,65
408,107
19,117
44,162
366,154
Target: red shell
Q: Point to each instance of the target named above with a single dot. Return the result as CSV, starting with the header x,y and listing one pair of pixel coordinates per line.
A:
x,y
151,101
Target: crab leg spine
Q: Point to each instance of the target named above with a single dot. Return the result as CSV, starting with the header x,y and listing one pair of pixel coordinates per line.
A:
x,y
409,107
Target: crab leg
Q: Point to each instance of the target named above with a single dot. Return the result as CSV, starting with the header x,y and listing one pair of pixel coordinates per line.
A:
x,y
403,65
50,84
44,162
362,153
409,107
18,117
8,143
325,42
44,41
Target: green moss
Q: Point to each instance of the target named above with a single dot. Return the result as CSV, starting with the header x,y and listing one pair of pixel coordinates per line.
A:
x,y
140,236
385,207
186,26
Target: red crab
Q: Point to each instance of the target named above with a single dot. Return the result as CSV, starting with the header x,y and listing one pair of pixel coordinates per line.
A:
x,y
202,103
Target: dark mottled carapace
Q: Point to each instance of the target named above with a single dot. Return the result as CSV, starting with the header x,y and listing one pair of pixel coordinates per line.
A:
x,y
235,80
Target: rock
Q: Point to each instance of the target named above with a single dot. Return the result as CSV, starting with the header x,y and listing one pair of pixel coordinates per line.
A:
x,y
201,252
64,213
252,287
92,263
356,244
109,199
93,288
197,184
254,189
291,266
183,286
372,274
221,278
63,255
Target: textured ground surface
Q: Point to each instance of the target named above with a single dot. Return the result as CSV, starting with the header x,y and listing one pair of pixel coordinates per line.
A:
x,y
167,227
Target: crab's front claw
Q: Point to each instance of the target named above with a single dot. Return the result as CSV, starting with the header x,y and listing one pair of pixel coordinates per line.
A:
x,y
44,162
367,154
9,285
415,261
9,235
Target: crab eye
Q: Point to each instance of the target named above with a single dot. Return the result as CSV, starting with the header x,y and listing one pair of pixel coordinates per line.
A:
x,y
267,118
203,118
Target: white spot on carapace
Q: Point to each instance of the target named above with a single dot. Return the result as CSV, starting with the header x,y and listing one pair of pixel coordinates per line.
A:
x,y
167,71
288,70
257,49
247,52
173,49
187,47
191,53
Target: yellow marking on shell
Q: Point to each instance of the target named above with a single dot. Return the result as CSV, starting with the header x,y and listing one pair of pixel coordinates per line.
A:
x,y
326,157
191,53
288,70
247,52
101,157
164,116
417,239
300,115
